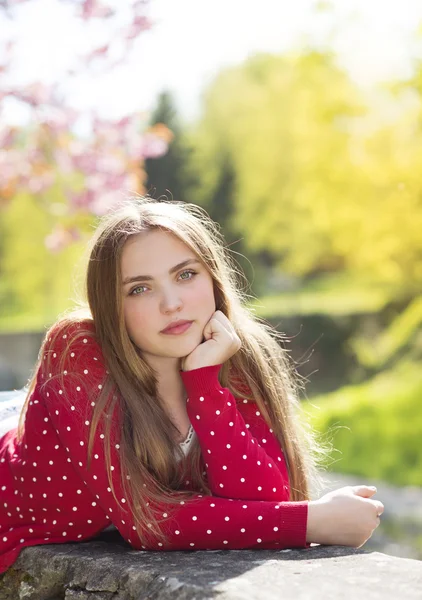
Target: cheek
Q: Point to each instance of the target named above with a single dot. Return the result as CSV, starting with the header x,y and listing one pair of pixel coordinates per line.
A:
x,y
136,320
205,297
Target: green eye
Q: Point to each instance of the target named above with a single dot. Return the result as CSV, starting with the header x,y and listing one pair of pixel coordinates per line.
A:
x,y
193,273
135,291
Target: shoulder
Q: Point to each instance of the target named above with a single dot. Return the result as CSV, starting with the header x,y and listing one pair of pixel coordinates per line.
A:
x,y
68,333
72,346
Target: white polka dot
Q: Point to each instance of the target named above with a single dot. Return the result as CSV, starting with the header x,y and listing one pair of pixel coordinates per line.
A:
x,y
194,518
177,532
227,518
228,446
260,518
201,398
243,530
212,433
275,529
259,540
217,412
224,467
242,479
209,531
259,488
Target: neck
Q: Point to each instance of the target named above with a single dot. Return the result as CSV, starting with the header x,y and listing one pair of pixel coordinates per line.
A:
x,y
170,386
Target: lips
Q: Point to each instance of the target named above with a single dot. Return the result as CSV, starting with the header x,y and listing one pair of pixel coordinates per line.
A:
x,y
177,327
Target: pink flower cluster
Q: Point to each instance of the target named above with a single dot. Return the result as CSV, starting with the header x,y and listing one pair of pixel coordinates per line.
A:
x,y
94,169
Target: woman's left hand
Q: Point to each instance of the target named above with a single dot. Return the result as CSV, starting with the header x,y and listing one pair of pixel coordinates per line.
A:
x,y
221,342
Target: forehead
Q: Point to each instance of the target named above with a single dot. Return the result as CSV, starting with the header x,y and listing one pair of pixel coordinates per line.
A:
x,y
153,251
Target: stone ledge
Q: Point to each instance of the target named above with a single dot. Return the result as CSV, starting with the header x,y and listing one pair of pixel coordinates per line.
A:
x,y
110,570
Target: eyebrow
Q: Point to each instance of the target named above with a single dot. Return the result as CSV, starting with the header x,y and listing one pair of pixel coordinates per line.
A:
x,y
137,278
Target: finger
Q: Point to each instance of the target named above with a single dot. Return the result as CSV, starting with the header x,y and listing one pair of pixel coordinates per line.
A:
x,y
214,327
379,507
221,318
228,327
364,491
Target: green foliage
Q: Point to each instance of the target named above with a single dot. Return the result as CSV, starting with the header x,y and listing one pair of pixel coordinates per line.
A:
x,y
36,284
324,179
376,427
334,302
401,332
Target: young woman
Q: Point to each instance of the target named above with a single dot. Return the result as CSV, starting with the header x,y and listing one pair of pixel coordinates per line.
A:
x,y
167,410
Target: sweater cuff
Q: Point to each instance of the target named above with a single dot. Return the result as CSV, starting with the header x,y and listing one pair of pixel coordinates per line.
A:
x,y
298,523
201,381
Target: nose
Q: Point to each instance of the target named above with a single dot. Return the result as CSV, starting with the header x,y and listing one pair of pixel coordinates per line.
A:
x,y
170,301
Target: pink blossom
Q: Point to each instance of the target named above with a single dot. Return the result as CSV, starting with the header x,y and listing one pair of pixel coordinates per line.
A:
x,y
94,9
8,137
97,53
152,146
34,94
139,24
61,237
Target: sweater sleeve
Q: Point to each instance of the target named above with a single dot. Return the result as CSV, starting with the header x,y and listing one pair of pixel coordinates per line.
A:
x,y
239,465
205,522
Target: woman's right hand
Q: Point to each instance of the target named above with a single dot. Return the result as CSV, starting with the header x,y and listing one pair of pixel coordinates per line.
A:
x,y
344,517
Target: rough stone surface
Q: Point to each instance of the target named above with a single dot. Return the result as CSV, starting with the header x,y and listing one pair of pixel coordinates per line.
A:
x,y
109,570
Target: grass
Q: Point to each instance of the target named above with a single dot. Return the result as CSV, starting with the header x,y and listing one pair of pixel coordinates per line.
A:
x,y
375,427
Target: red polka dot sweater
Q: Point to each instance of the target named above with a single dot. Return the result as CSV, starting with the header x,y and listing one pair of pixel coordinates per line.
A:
x,y
49,493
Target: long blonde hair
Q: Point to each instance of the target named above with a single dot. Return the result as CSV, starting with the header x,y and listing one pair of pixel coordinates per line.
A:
x,y
260,371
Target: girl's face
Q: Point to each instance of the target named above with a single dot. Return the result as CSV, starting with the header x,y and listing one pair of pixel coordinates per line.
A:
x,y
164,282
